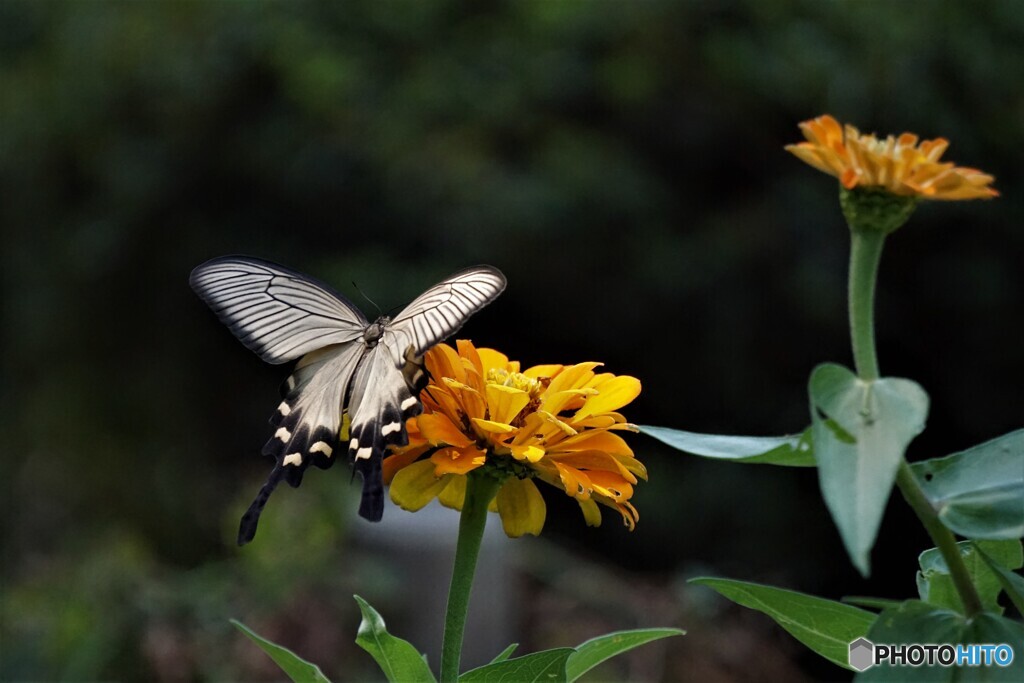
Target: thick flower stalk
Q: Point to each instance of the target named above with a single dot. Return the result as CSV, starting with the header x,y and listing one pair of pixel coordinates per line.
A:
x,y
556,424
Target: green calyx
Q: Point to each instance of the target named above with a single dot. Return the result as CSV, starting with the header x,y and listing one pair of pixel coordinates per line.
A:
x,y
875,210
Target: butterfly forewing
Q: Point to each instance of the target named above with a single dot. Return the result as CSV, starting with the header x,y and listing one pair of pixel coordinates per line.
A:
x,y
440,311
276,312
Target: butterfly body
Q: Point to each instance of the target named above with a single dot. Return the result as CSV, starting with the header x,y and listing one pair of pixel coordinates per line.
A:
x,y
373,371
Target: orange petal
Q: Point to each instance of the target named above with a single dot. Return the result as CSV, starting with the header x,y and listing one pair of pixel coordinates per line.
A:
x,y
439,430
595,460
576,484
591,512
468,351
443,361
403,458
457,461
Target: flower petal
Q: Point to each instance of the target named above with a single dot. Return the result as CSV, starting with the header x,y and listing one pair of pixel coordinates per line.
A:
x,y
492,360
521,508
396,461
438,429
454,494
595,460
457,460
415,485
505,403
592,440
469,352
539,371
611,396
528,453
492,427
591,512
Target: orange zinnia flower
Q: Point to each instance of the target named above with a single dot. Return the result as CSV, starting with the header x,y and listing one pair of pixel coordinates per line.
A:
x,y
551,423
900,165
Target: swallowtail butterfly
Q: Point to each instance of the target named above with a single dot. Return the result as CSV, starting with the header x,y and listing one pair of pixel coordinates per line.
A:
x,y
374,371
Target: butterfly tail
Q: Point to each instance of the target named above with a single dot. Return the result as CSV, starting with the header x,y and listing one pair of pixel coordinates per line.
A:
x,y
371,507
247,527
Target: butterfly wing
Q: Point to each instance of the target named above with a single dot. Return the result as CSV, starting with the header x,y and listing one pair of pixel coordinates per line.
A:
x,y
276,312
440,311
385,389
383,397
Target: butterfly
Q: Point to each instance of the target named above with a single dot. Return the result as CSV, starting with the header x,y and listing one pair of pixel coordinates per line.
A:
x,y
372,370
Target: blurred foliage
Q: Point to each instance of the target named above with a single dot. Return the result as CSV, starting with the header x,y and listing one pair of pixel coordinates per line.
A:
x,y
621,162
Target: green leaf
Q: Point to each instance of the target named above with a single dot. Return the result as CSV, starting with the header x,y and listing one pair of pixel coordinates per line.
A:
x,y
825,626
1012,583
861,429
545,666
600,649
935,585
397,658
296,668
979,493
869,602
505,654
920,622
794,451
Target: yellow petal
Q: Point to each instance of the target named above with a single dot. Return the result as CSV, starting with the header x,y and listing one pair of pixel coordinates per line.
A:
x,y
591,512
491,360
504,402
438,429
593,440
573,377
555,402
396,461
492,427
521,508
538,371
415,486
612,395
528,453
454,494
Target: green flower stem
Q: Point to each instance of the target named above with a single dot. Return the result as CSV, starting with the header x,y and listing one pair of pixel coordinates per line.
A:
x,y
480,490
865,254
944,540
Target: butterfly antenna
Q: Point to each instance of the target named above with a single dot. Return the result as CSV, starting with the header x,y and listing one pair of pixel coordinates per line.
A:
x,y
372,302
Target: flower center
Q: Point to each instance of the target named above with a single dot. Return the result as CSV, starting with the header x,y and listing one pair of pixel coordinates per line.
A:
x,y
516,380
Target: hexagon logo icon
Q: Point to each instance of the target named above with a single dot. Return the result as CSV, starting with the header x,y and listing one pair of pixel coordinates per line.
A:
x,y
862,654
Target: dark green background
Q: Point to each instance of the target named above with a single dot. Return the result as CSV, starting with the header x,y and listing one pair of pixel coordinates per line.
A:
x,y
622,163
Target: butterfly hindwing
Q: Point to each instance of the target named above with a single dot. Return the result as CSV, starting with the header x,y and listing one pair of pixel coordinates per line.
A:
x,y
383,398
307,422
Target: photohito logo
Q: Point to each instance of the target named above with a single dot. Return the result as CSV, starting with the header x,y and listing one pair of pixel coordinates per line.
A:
x,y
864,654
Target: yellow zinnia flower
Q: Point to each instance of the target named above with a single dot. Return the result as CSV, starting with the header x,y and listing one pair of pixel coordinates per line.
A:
x,y
551,423
900,165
